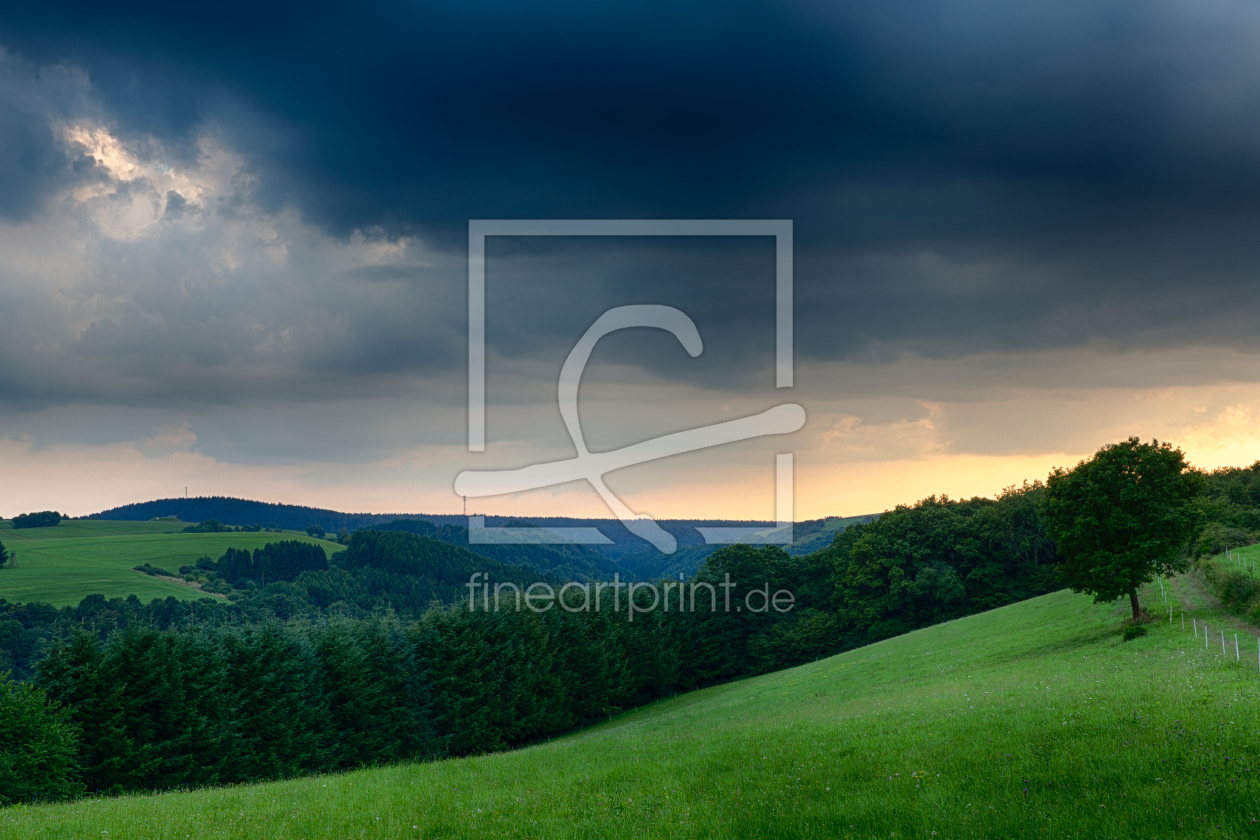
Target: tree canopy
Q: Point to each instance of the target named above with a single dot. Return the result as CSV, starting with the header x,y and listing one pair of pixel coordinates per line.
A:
x,y
38,745
43,519
1123,517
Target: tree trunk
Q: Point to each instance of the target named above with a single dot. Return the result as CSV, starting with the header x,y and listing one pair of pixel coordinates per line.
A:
x,y
1133,601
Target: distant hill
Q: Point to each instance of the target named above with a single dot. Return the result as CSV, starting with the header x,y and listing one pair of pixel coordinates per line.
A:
x,y
624,542
567,562
627,553
647,563
232,511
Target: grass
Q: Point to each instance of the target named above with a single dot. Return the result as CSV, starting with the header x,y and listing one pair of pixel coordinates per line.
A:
x,y
63,564
76,528
1033,720
1243,559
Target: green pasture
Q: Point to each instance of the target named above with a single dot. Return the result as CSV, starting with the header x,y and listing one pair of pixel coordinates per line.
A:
x,y
72,528
1243,559
61,567
1033,720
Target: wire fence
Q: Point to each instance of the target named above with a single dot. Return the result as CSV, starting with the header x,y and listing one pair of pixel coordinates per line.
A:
x,y
1231,642
1242,561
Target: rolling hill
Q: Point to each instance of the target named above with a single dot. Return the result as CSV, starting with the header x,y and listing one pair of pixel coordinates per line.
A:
x,y
567,561
63,564
232,511
235,511
1034,719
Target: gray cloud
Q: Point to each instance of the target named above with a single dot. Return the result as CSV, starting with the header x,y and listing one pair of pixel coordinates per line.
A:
x,y
142,274
34,162
966,179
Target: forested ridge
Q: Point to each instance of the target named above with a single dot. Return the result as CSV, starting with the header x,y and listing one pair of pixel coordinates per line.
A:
x,y
234,511
239,512
569,561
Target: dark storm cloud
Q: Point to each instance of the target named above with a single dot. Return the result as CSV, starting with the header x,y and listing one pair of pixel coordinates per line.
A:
x,y
34,162
30,162
964,176
433,114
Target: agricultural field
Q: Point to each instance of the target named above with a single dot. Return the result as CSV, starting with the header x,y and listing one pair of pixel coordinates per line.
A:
x,y
1033,720
78,528
63,564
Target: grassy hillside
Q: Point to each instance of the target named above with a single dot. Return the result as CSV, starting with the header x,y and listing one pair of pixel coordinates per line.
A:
x,y
1030,720
62,565
1244,559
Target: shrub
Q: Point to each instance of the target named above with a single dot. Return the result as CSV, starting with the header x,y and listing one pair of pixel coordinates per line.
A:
x,y
38,744
1134,631
210,526
1216,537
152,570
1237,590
43,519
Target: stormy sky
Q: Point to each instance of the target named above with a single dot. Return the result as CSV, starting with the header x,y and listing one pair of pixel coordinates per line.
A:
x,y
233,244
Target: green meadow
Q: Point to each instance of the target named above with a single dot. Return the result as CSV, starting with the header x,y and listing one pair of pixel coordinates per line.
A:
x,y
63,564
1034,720
1244,559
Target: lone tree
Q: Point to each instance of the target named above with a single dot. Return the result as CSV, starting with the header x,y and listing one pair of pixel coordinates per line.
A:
x,y
1122,517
